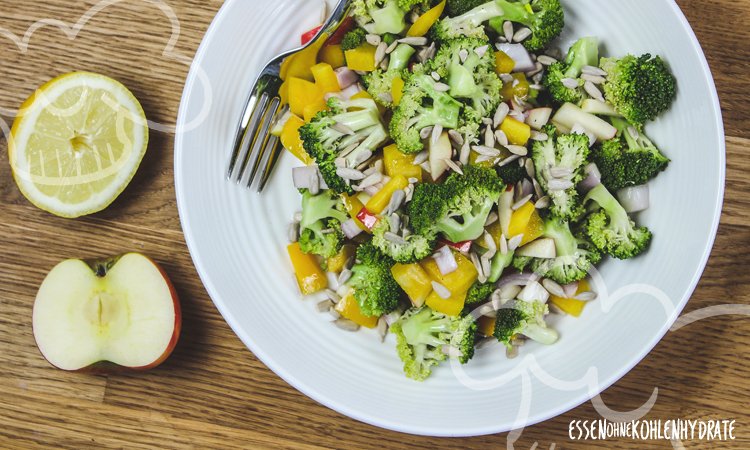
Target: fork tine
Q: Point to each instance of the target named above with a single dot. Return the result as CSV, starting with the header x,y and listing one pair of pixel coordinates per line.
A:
x,y
259,145
239,138
247,141
269,161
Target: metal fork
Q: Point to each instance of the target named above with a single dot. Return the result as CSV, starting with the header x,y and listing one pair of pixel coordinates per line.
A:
x,y
262,109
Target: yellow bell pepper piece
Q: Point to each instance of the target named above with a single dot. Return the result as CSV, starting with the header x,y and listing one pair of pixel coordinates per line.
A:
x,y
504,153
503,63
518,133
459,281
426,21
379,201
301,94
299,65
494,230
414,281
362,58
521,90
451,306
571,305
284,93
309,275
397,163
397,90
325,77
291,141
364,94
349,308
353,207
337,261
486,325
332,55
526,220
314,108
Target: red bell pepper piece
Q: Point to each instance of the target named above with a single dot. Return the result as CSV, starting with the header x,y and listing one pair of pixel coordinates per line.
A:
x,y
307,37
337,36
367,218
462,247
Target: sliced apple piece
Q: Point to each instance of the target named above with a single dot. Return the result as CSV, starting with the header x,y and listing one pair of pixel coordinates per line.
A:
x,y
108,315
439,152
538,117
593,106
540,248
569,114
504,210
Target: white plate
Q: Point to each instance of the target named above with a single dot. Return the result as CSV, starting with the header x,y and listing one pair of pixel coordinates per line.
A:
x,y
237,239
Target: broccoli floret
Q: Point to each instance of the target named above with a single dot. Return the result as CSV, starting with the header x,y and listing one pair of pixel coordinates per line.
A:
x,y
478,292
585,52
460,7
324,211
611,230
545,19
375,289
470,196
418,6
419,246
527,318
511,173
639,88
632,163
421,106
379,17
567,154
421,335
379,82
521,262
353,39
575,254
324,143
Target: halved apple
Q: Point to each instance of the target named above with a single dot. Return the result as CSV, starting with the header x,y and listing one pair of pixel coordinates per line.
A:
x,y
108,315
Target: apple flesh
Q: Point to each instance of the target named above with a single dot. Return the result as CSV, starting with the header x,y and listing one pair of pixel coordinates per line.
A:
x,y
540,248
439,152
108,315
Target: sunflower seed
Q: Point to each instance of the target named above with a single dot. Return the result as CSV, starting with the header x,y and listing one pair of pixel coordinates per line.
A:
x,y
537,87
508,160
385,63
559,171
412,180
456,136
293,232
481,51
570,83
529,166
502,139
463,54
486,342
491,218
340,162
537,188
416,41
324,306
633,132
344,276
369,172
378,165
334,313
500,114
441,290
557,184
394,238
490,242
591,70
506,78
380,53
518,191
514,242
537,78
441,87
596,79
397,199
426,166
542,203
341,128
554,52
454,167
346,324
431,51
382,328
517,150
486,151
593,91
521,202
386,97
333,296
373,39
395,223
327,231
413,17
517,342
323,13
437,130
538,136
425,132
511,352
463,157
554,309
391,48
546,60
483,158
515,82
449,350
363,156
586,296
553,288
538,68
500,40
371,180
503,245
297,217
508,30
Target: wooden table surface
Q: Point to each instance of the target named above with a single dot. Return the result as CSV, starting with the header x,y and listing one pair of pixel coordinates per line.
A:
x,y
212,392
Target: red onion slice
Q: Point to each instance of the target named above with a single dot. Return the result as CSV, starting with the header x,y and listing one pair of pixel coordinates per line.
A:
x,y
634,198
345,94
534,291
592,180
516,279
519,54
301,177
372,190
350,229
570,289
528,188
346,77
445,260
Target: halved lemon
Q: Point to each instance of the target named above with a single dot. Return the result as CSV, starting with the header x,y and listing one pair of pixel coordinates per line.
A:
x,y
76,143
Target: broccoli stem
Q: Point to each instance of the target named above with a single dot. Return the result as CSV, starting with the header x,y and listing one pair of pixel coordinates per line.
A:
x,y
514,12
618,217
400,57
472,226
585,52
389,19
565,243
499,263
641,143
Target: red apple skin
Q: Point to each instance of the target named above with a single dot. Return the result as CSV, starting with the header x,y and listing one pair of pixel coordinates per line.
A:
x,y
108,367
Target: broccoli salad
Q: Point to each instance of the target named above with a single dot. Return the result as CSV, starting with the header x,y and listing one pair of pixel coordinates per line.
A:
x,y
462,174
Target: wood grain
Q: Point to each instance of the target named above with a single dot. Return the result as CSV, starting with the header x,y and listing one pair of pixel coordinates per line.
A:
x,y
212,393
